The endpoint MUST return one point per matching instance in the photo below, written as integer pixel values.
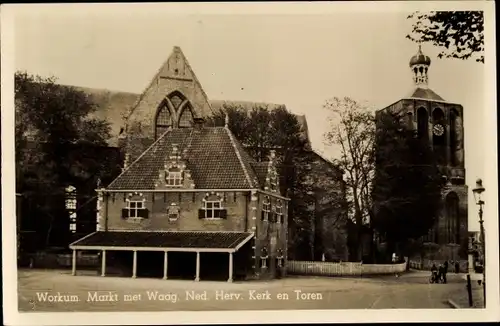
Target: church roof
(114, 106)
(213, 156)
(426, 94)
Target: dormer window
(173, 177)
(273, 185)
(266, 209)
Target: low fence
(58, 260)
(342, 269)
(426, 264)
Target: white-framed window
(134, 208)
(70, 205)
(212, 208)
(263, 258)
(266, 208)
(279, 211)
(173, 178)
(280, 258)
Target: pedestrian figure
(441, 273)
(434, 274)
(445, 265)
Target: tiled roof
(260, 169)
(426, 93)
(169, 239)
(214, 157)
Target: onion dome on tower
(419, 65)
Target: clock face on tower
(438, 130)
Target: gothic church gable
(174, 98)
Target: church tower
(440, 122)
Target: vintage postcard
(249, 163)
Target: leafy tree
(56, 142)
(261, 130)
(459, 32)
(353, 132)
(407, 185)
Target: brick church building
(441, 123)
(190, 200)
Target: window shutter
(124, 213)
(144, 213)
(223, 213)
(201, 213)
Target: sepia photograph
(249, 162)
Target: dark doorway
(182, 265)
(214, 266)
(150, 264)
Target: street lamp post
(477, 191)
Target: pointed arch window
(163, 120)
(186, 118)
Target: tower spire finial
(419, 65)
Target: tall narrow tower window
(452, 218)
(423, 123)
(439, 135)
(454, 139)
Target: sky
(300, 60)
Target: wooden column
(197, 266)
(103, 262)
(134, 265)
(73, 264)
(230, 279)
(165, 265)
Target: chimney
(198, 123)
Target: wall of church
(330, 211)
(450, 236)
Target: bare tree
(353, 133)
